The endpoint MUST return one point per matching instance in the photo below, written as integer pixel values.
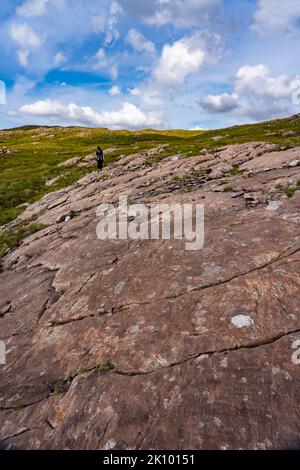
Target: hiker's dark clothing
(99, 164)
(99, 158)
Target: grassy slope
(38, 151)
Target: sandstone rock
(127, 344)
(70, 162)
(5, 309)
(238, 194)
(157, 150)
(289, 134)
(225, 169)
(216, 174)
(294, 163)
(52, 181)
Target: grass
(12, 238)
(103, 367)
(235, 170)
(289, 191)
(36, 153)
(194, 175)
(19, 407)
(106, 367)
(228, 189)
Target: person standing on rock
(99, 158)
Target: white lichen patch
(175, 398)
(224, 362)
(217, 422)
(242, 321)
(109, 445)
(119, 287)
(134, 329)
(274, 206)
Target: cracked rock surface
(143, 344)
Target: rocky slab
(142, 344)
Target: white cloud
(186, 57)
(24, 35)
(113, 34)
(32, 8)
(147, 94)
(257, 82)
(115, 91)
(100, 61)
(23, 85)
(129, 116)
(98, 23)
(139, 43)
(223, 103)
(256, 94)
(106, 22)
(60, 58)
(180, 13)
(27, 39)
(277, 16)
(22, 56)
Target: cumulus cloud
(115, 91)
(60, 58)
(257, 82)
(186, 57)
(22, 56)
(223, 103)
(257, 94)
(62, 24)
(32, 8)
(98, 23)
(139, 43)
(276, 16)
(180, 13)
(100, 61)
(149, 95)
(24, 35)
(112, 34)
(129, 116)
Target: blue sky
(156, 63)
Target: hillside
(124, 344)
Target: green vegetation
(12, 238)
(57, 391)
(36, 152)
(227, 189)
(19, 407)
(106, 367)
(194, 175)
(290, 190)
(235, 170)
